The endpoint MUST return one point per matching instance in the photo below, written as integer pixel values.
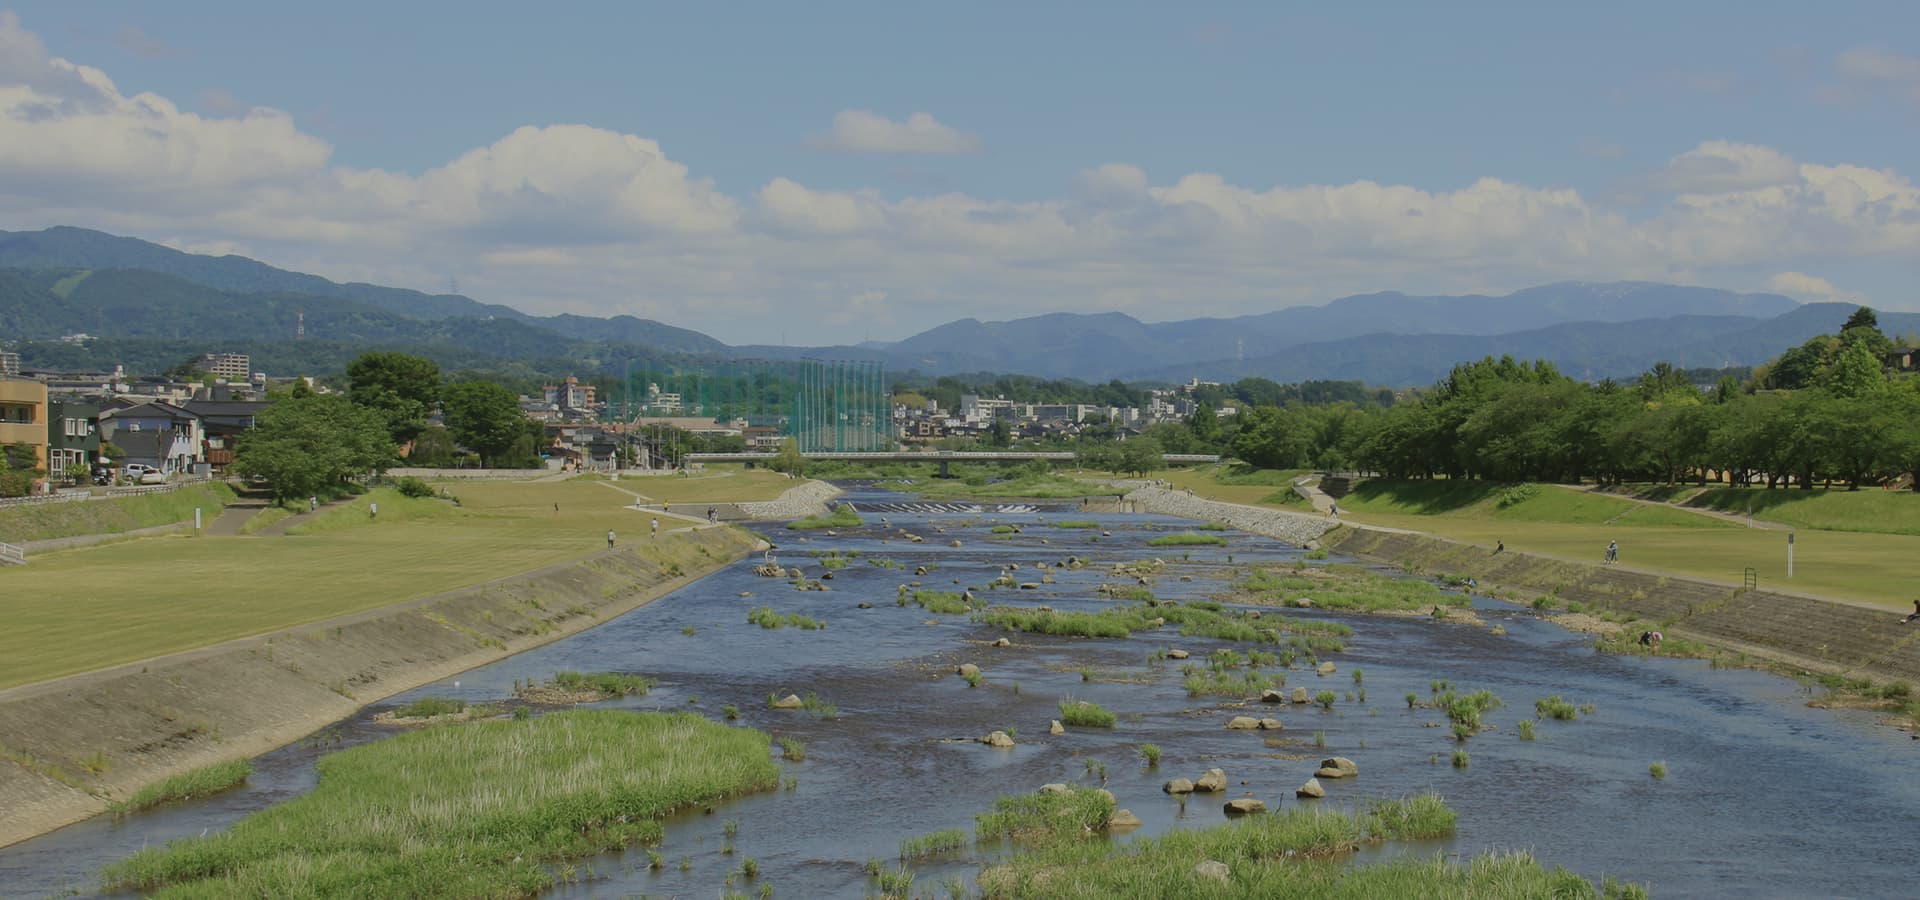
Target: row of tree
(1848, 419)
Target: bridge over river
(943, 457)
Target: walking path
(1735, 518)
(280, 528)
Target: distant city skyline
(842, 172)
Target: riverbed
(1763, 797)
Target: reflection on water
(1765, 797)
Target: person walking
(609, 539)
(373, 510)
(1613, 551)
(313, 504)
(655, 532)
(713, 515)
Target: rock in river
(997, 739)
(1179, 786)
(790, 701)
(1311, 789)
(1244, 723)
(1213, 782)
(1241, 806)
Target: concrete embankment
(1810, 633)
(811, 498)
(1292, 527)
(69, 746)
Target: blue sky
(749, 170)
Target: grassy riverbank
(1273, 855)
(475, 810)
(42, 521)
(1842, 550)
(79, 610)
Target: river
(1765, 797)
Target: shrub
(1658, 770)
(409, 486)
(1086, 714)
(1150, 753)
(1555, 708)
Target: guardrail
(140, 490)
(932, 456)
(12, 554)
(66, 495)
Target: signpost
(1789, 554)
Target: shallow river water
(1765, 797)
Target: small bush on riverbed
(484, 809)
(1344, 587)
(202, 782)
(843, 516)
(1077, 523)
(1086, 714)
(935, 842)
(1246, 684)
(1187, 539)
(1555, 708)
(1046, 819)
(942, 603)
(428, 707)
(613, 684)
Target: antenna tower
(300, 325)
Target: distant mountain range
(142, 295)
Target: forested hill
(145, 300)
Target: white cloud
(1720, 166)
(861, 131)
(1810, 287)
(1884, 68)
(587, 220)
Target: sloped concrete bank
(810, 498)
(1292, 527)
(69, 746)
(1817, 635)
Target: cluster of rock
(805, 499)
(1213, 782)
(1292, 527)
(1249, 723)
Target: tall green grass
(201, 782)
(843, 516)
(1187, 539)
(1269, 856)
(1086, 714)
(1047, 818)
(1345, 587)
(478, 810)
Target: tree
(1864, 317)
(403, 388)
(303, 447)
(1855, 372)
(19, 469)
(432, 448)
(789, 459)
(1139, 456)
(485, 418)
(1000, 433)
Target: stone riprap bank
(812, 498)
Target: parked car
(153, 476)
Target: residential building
(975, 408)
(231, 366)
(153, 433)
(222, 422)
(23, 415)
(9, 364)
(660, 401)
(73, 438)
(571, 397)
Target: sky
(838, 172)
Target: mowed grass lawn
(718, 484)
(85, 609)
(1576, 525)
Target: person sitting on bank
(1651, 639)
(1912, 615)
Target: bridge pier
(943, 470)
